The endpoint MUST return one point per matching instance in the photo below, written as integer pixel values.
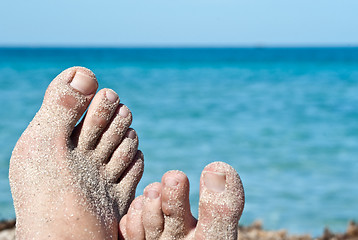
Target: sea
(285, 118)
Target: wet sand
(252, 232)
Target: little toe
(115, 131)
(66, 99)
(127, 183)
(221, 202)
(175, 205)
(123, 156)
(123, 228)
(153, 219)
(132, 226)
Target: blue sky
(178, 23)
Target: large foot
(75, 182)
(163, 212)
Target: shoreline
(252, 232)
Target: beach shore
(253, 232)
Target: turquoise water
(286, 119)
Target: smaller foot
(163, 211)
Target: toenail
(84, 83)
(111, 96)
(152, 194)
(138, 205)
(214, 181)
(171, 182)
(131, 134)
(123, 111)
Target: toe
(115, 131)
(133, 224)
(127, 183)
(221, 202)
(153, 219)
(97, 118)
(123, 228)
(175, 205)
(66, 99)
(122, 156)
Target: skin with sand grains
(75, 182)
(163, 212)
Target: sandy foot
(75, 182)
(163, 211)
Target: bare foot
(163, 212)
(75, 182)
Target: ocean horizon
(286, 118)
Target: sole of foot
(75, 181)
(163, 211)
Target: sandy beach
(253, 232)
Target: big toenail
(152, 194)
(131, 134)
(111, 96)
(171, 182)
(84, 83)
(138, 205)
(214, 181)
(123, 111)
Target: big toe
(66, 99)
(221, 202)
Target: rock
(7, 234)
(251, 232)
